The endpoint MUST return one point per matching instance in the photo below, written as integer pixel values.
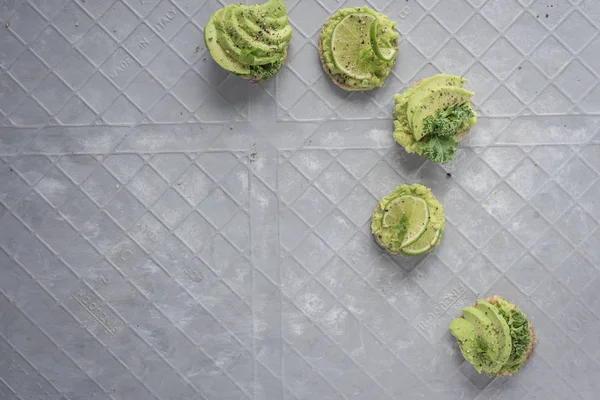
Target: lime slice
(351, 45)
(383, 53)
(425, 243)
(410, 215)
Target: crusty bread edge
(532, 342)
(253, 79)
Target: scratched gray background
(168, 231)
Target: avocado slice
(274, 15)
(486, 343)
(501, 327)
(465, 333)
(437, 99)
(217, 52)
(272, 35)
(258, 41)
(426, 86)
(225, 33)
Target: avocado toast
(408, 221)
(432, 116)
(358, 48)
(494, 336)
(249, 41)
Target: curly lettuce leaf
(439, 144)
(439, 149)
(519, 334)
(448, 122)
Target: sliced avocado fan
(249, 40)
(492, 337)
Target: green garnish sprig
(440, 132)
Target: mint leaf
(439, 149)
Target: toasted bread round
(532, 342)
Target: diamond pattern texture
(170, 231)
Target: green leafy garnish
(367, 57)
(482, 347)
(399, 230)
(439, 149)
(440, 130)
(519, 332)
(267, 70)
(448, 122)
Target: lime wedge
(351, 45)
(425, 243)
(383, 53)
(410, 215)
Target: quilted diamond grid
(355, 279)
(314, 299)
(311, 301)
(525, 271)
(176, 280)
(130, 44)
(150, 232)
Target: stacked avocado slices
(494, 336)
(250, 41)
(408, 221)
(432, 116)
